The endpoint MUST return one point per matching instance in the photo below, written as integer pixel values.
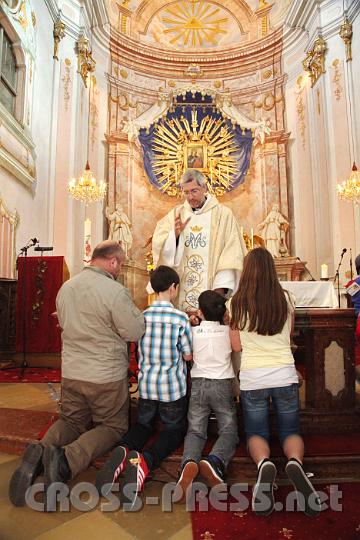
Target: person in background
(353, 290)
(97, 317)
(264, 314)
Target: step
(331, 457)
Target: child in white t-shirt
(212, 376)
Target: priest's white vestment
(209, 252)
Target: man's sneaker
(308, 499)
(111, 471)
(263, 493)
(212, 470)
(188, 473)
(24, 476)
(136, 471)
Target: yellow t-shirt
(268, 351)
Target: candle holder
(324, 279)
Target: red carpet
(30, 375)
(241, 523)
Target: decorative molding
(346, 35)
(66, 79)
(337, 79)
(314, 62)
(300, 109)
(17, 150)
(13, 218)
(86, 63)
(269, 101)
(58, 34)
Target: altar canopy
(200, 129)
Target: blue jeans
(211, 395)
(173, 417)
(255, 406)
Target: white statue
(120, 227)
(274, 229)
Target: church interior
(104, 104)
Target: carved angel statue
(274, 229)
(120, 227)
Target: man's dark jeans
(173, 416)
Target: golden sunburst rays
(208, 147)
(194, 24)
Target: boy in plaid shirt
(163, 350)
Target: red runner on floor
(30, 375)
(241, 523)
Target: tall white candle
(252, 238)
(324, 271)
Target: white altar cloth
(312, 294)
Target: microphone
(42, 248)
(34, 241)
(305, 267)
(343, 252)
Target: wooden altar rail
(325, 341)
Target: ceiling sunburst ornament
(207, 146)
(194, 24)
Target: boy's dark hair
(212, 305)
(163, 277)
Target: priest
(202, 241)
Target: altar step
(330, 457)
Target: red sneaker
(135, 475)
(111, 471)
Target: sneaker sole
(25, 475)
(303, 486)
(209, 475)
(188, 474)
(266, 478)
(108, 475)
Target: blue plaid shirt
(167, 337)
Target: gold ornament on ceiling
(194, 23)
(208, 147)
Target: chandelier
(349, 190)
(85, 188)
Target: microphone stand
(351, 265)
(23, 251)
(307, 270)
(337, 277)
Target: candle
(252, 238)
(324, 271)
(242, 231)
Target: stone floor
(27, 524)
(93, 522)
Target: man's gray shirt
(97, 317)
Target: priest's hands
(180, 225)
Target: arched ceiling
(195, 25)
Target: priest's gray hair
(193, 175)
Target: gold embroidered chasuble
(210, 246)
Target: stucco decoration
(223, 102)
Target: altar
(312, 294)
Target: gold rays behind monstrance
(179, 145)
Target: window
(7, 72)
